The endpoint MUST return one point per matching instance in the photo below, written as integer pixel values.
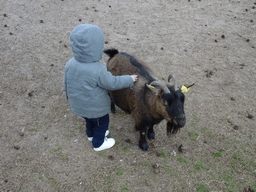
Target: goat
(149, 101)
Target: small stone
(87, 8)
(246, 10)
(232, 98)
(6, 180)
(80, 20)
(43, 106)
(109, 6)
(52, 65)
(5, 25)
(45, 138)
(106, 42)
(41, 21)
(21, 134)
(162, 48)
(65, 46)
(5, 15)
(247, 40)
(251, 20)
(223, 36)
(128, 140)
(11, 33)
(17, 147)
(216, 41)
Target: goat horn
(160, 84)
(174, 82)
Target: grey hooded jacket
(86, 80)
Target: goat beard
(171, 129)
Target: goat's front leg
(143, 141)
(151, 133)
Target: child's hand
(135, 77)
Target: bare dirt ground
(43, 146)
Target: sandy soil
(43, 146)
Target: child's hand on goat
(135, 77)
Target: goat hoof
(151, 135)
(144, 146)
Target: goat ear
(155, 90)
(185, 88)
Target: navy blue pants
(97, 128)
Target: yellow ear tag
(184, 89)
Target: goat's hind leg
(151, 133)
(112, 105)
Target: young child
(87, 81)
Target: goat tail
(111, 52)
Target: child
(87, 81)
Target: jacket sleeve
(109, 82)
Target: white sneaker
(90, 138)
(108, 143)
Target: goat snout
(180, 121)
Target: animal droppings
(21, 134)
(5, 15)
(109, 6)
(162, 48)
(5, 25)
(80, 20)
(216, 41)
(180, 149)
(209, 73)
(158, 154)
(223, 36)
(236, 127)
(106, 42)
(232, 98)
(11, 33)
(17, 147)
(128, 140)
(111, 157)
(65, 46)
(41, 21)
(87, 8)
(249, 116)
(251, 20)
(247, 40)
(30, 94)
(246, 10)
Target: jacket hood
(87, 43)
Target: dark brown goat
(149, 101)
